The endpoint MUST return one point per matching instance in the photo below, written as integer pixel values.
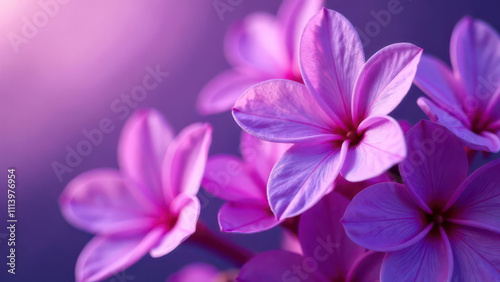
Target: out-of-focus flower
(337, 120)
(242, 183)
(150, 205)
(441, 225)
(202, 272)
(466, 99)
(260, 47)
(328, 254)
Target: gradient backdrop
(66, 74)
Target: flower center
(168, 220)
(353, 137)
(437, 218)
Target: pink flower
(242, 183)
(441, 225)
(150, 205)
(466, 99)
(337, 120)
(328, 254)
(259, 48)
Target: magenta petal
(196, 272)
(382, 146)
(431, 259)
(367, 267)
(294, 15)
(246, 218)
(323, 237)
(384, 217)
(261, 155)
(226, 177)
(99, 201)
(484, 142)
(186, 209)
(105, 256)
(479, 203)
(331, 56)
(384, 80)
(220, 94)
(475, 56)
(302, 176)
(476, 254)
(437, 81)
(257, 43)
(436, 164)
(143, 144)
(185, 160)
(282, 111)
(277, 266)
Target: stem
(470, 154)
(206, 238)
(292, 225)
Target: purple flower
(259, 48)
(466, 99)
(150, 205)
(328, 254)
(441, 225)
(242, 183)
(337, 120)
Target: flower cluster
(360, 197)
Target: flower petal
(246, 218)
(282, 111)
(431, 259)
(302, 176)
(278, 266)
(257, 43)
(478, 202)
(436, 164)
(383, 145)
(484, 142)
(99, 201)
(195, 272)
(476, 254)
(143, 144)
(261, 155)
(226, 177)
(322, 237)
(331, 56)
(384, 80)
(104, 256)
(437, 81)
(475, 57)
(294, 15)
(367, 268)
(384, 217)
(220, 93)
(187, 210)
(185, 160)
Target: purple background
(65, 79)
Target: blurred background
(71, 70)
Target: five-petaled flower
(440, 225)
(150, 205)
(243, 182)
(337, 120)
(259, 48)
(466, 99)
(328, 254)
